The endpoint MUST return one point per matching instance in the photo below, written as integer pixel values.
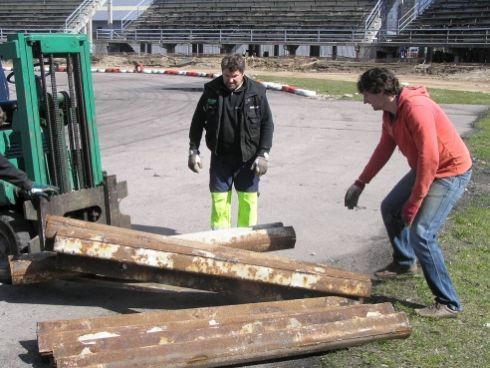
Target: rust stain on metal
(206, 264)
(230, 348)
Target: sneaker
(437, 311)
(394, 269)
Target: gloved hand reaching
(352, 194)
(261, 164)
(194, 162)
(42, 190)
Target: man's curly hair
(233, 63)
(379, 80)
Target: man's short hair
(233, 63)
(379, 80)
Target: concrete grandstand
(459, 30)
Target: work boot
(437, 310)
(394, 269)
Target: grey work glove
(42, 190)
(194, 162)
(352, 194)
(261, 164)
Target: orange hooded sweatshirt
(426, 137)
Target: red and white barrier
(139, 68)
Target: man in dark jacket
(235, 113)
(13, 175)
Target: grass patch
(479, 143)
(322, 86)
(339, 88)
(443, 343)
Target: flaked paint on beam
(215, 267)
(97, 249)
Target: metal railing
(6, 31)
(439, 37)
(373, 15)
(75, 15)
(135, 13)
(443, 36)
(416, 36)
(223, 36)
(412, 13)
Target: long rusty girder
(242, 290)
(261, 238)
(131, 247)
(190, 339)
(36, 267)
(50, 332)
(40, 267)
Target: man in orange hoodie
(417, 206)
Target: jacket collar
(217, 86)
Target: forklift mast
(51, 133)
(43, 117)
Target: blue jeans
(419, 240)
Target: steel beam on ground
(245, 347)
(132, 247)
(171, 332)
(47, 331)
(261, 238)
(35, 268)
(242, 290)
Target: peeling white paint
(250, 327)
(98, 335)
(103, 250)
(213, 322)
(365, 329)
(204, 253)
(154, 329)
(304, 280)
(85, 351)
(294, 323)
(73, 246)
(165, 341)
(155, 258)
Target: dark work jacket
(256, 127)
(13, 175)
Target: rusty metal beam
(241, 290)
(262, 238)
(48, 331)
(139, 248)
(244, 347)
(40, 267)
(259, 238)
(35, 268)
(174, 332)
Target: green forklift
(51, 134)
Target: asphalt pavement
(319, 149)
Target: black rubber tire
(14, 238)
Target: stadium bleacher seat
(35, 15)
(252, 14)
(454, 13)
